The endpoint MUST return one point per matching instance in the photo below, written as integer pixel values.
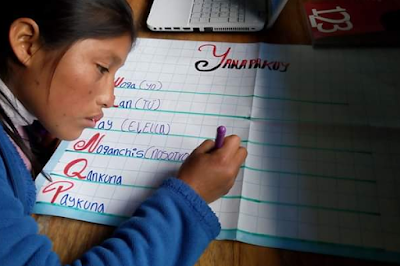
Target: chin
(72, 138)
(68, 134)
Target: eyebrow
(114, 58)
(117, 60)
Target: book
(353, 22)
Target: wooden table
(72, 238)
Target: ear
(24, 39)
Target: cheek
(73, 92)
(74, 80)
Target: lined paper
(320, 126)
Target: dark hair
(61, 23)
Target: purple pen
(219, 140)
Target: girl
(57, 64)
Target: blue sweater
(173, 227)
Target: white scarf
(20, 118)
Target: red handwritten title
(225, 61)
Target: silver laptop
(213, 15)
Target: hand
(212, 173)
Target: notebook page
(323, 168)
(320, 126)
(170, 97)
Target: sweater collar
(14, 108)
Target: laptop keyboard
(218, 11)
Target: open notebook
(321, 128)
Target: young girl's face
(72, 97)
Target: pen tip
(48, 177)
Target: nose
(107, 98)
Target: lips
(96, 118)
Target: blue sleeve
(173, 227)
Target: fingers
(240, 156)
(230, 146)
(204, 147)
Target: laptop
(213, 15)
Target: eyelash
(102, 69)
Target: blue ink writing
(150, 85)
(141, 104)
(82, 204)
(104, 178)
(105, 125)
(145, 127)
(152, 153)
